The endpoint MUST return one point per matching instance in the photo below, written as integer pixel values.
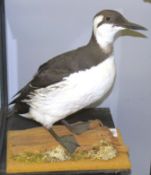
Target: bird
(74, 80)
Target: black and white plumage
(74, 80)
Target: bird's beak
(133, 26)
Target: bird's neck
(101, 45)
(104, 40)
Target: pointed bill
(133, 26)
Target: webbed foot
(77, 128)
(68, 142)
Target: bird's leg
(77, 128)
(68, 142)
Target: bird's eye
(108, 18)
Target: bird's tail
(11, 112)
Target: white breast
(75, 92)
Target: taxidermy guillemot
(74, 80)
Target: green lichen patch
(52, 155)
(55, 155)
(102, 151)
(28, 157)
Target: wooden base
(38, 139)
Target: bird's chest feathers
(87, 85)
(94, 82)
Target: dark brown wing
(50, 73)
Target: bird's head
(107, 23)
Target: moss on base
(102, 151)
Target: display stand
(20, 129)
